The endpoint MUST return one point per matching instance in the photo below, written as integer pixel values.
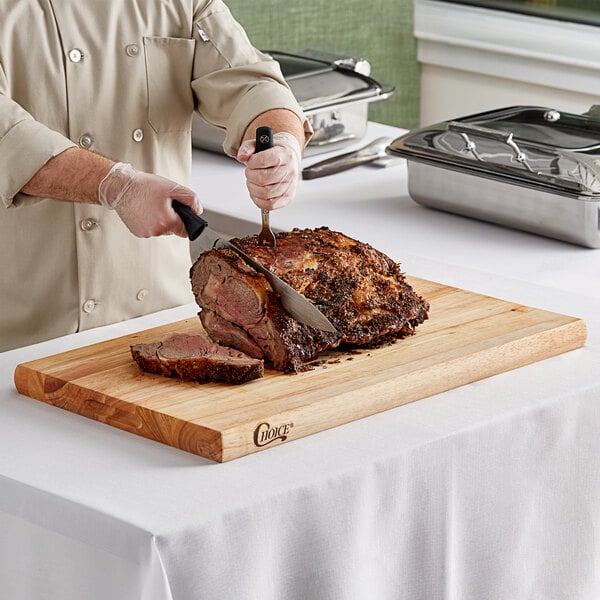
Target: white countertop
(489, 491)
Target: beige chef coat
(122, 79)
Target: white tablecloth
(489, 491)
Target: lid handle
(507, 138)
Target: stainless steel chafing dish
(530, 168)
(334, 92)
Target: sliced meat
(361, 290)
(229, 334)
(194, 356)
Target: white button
(89, 306)
(137, 135)
(75, 55)
(86, 141)
(142, 294)
(88, 224)
(132, 50)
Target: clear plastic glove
(143, 201)
(272, 175)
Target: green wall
(379, 30)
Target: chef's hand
(272, 175)
(143, 201)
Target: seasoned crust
(361, 290)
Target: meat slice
(361, 290)
(229, 334)
(194, 356)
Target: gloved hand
(143, 201)
(272, 175)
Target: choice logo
(265, 433)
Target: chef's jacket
(121, 79)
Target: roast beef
(361, 290)
(194, 356)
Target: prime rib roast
(361, 291)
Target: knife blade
(297, 305)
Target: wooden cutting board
(467, 337)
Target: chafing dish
(526, 167)
(334, 92)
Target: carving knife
(297, 305)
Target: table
(491, 490)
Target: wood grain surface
(467, 337)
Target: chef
(96, 104)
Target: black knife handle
(194, 224)
(264, 138)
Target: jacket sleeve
(25, 146)
(232, 81)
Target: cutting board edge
(574, 333)
(35, 384)
(191, 437)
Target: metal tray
(334, 92)
(530, 168)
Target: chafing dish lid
(320, 83)
(530, 146)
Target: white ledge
(548, 52)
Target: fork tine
(266, 237)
